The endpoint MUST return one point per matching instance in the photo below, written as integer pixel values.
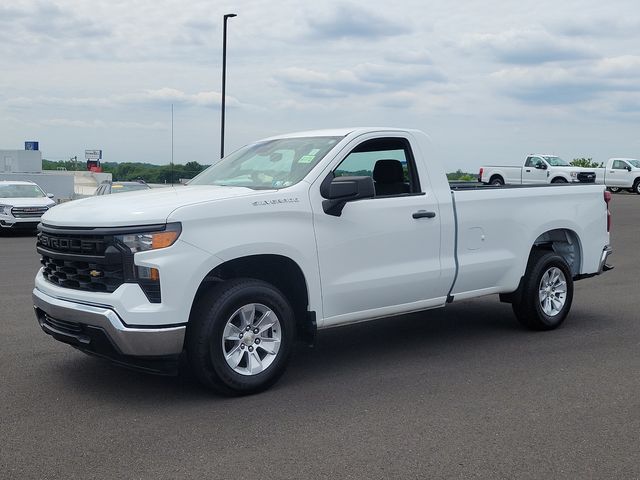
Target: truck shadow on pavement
(457, 334)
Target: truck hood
(144, 207)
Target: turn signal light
(164, 239)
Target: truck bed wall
(498, 227)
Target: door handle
(527, 170)
(423, 214)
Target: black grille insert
(81, 275)
(586, 177)
(72, 328)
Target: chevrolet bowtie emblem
(95, 273)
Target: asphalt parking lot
(462, 392)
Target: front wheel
(240, 336)
(636, 187)
(559, 180)
(546, 292)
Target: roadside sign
(31, 146)
(93, 154)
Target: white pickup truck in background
(537, 169)
(620, 174)
(303, 232)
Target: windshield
(634, 163)
(127, 187)
(21, 191)
(270, 164)
(556, 161)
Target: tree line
(127, 171)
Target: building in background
(27, 165)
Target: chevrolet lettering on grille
(69, 244)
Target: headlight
(152, 240)
(5, 209)
(573, 174)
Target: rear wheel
(546, 292)
(614, 189)
(496, 181)
(240, 336)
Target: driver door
(532, 173)
(377, 258)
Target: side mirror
(340, 190)
(628, 168)
(541, 166)
(50, 195)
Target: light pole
(224, 77)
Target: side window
(619, 165)
(389, 161)
(537, 161)
(529, 162)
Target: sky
(490, 81)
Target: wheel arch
(563, 241)
(278, 270)
(496, 176)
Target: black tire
(206, 328)
(614, 189)
(527, 304)
(496, 181)
(636, 187)
(559, 180)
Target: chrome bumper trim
(603, 267)
(130, 341)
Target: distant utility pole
(224, 77)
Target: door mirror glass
(541, 166)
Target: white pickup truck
(620, 174)
(537, 169)
(297, 233)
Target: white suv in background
(22, 204)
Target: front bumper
(19, 223)
(99, 331)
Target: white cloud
(359, 80)
(495, 74)
(161, 96)
(527, 46)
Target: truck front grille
(94, 277)
(83, 261)
(90, 260)
(28, 212)
(586, 177)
